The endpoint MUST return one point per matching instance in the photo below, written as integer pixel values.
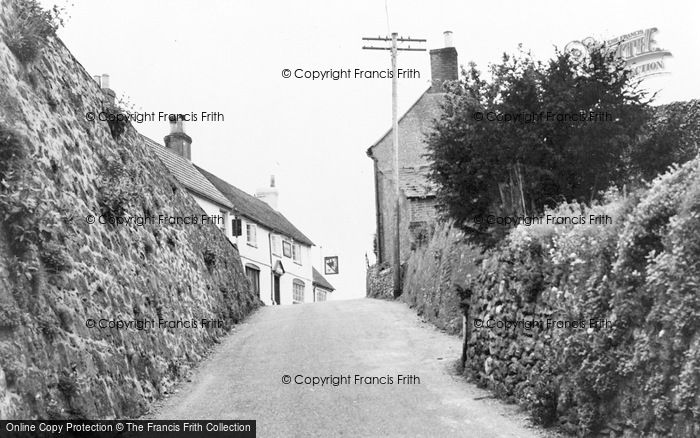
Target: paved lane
(243, 379)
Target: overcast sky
(182, 56)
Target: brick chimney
(177, 140)
(443, 65)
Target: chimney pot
(443, 65)
(108, 93)
(448, 38)
(269, 195)
(176, 124)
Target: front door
(276, 288)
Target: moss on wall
(635, 371)
(57, 271)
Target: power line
(395, 136)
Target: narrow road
(243, 379)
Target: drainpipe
(272, 274)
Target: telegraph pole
(395, 137)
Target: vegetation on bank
(31, 27)
(537, 134)
(504, 147)
(637, 373)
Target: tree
(534, 135)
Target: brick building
(417, 199)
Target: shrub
(12, 150)
(640, 273)
(543, 401)
(117, 190)
(24, 218)
(209, 258)
(54, 258)
(520, 169)
(67, 384)
(117, 120)
(30, 29)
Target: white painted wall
(259, 254)
(296, 270)
(209, 207)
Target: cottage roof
(320, 281)
(256, 209)
(184, 171)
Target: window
(298, 291)
(251, 231)
(276, 245)
(296, 253)
(253, 274)
(287, 249)
(222, 219)
(320, 295)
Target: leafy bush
(117, 189)
(12, 150)
(209, 258)
(30, 28)
(642, 274)
(54, 258)
(117, 120)
(485, 167)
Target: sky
(183, 56)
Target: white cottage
(276, 256)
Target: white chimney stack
(176, 124)
(448, 38)
(269, 195)
(103, 81)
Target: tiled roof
(256, 209)
(186, 173)
(320, 280)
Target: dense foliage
(31, 27)
(638, 376)
(545, 154)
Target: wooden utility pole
(395, 137)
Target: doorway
(276, 288)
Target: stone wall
(58, 272)
(380, 282)
(629, 366)
(435, 272)
(595, 328)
